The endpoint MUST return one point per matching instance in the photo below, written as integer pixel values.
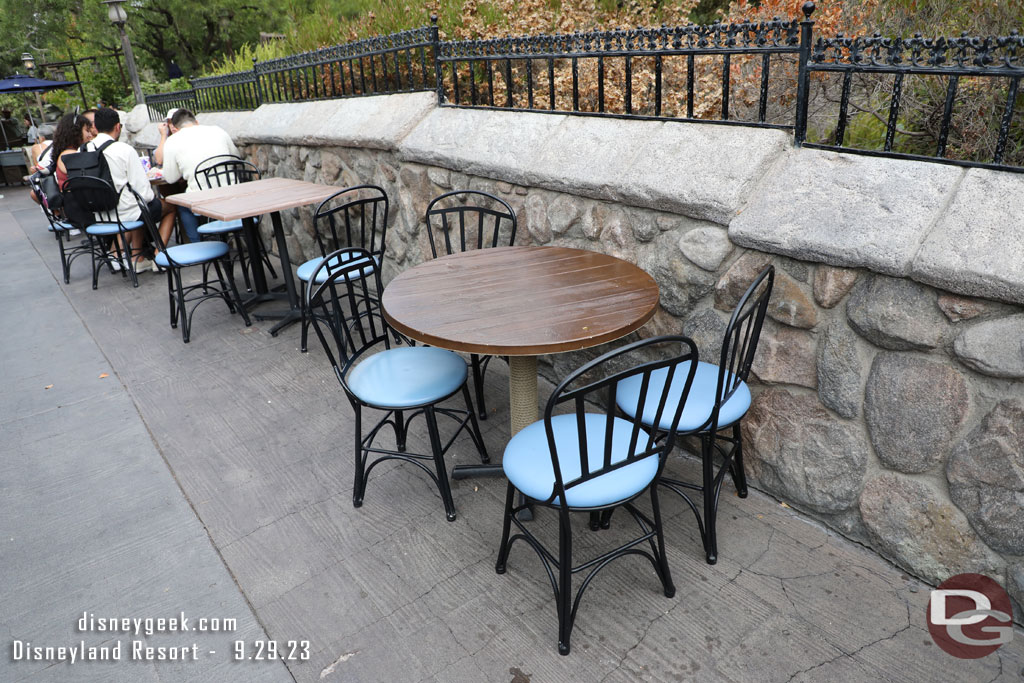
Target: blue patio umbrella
(19, 83)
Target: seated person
(188, 144)
(126, 169)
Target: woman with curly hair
(73, 131)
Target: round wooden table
(520, 302)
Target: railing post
(803, 88)
(435, 41)
(256, 83)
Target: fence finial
(808, 9)
(433, 19)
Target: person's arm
(136, 175)
(158, 153)
(172, 173)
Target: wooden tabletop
(245, 200)
(520, 301)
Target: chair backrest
(223, 170)
(477, 219)
(602, 433)
(741, 337)
(345, 309)
(35, 182)
(355, 217)
(92, 195)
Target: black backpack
(92, 164)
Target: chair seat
(407, 377)
(220, 227)
(112, 228)
(306, 270)
(191, 254)
(527, 461)
(60, 225)
(699, 403)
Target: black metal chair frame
(444, 214)
(68, 253)
(347, 336)
(181, 296)
(737, 356)
(596, 392)
(226, 169)
(355, 234)
(82, 189)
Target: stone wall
(889, 383)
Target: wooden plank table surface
(246, 201)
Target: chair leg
(564, 597)
(478, 438)
(478, 385)
(171, 299)
(241, 260)
(359, 479)
(238, 305)
(739, 477)
(186, 323)
(400, 433)
(225, 293)
(305, 316)
(510, 496)
(64, 265)
(442, 471)
(95, 266)
(595, 520)
(710, 499)
(663, 571)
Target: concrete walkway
(142, 477)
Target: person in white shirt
(188, 144)
(126, 169)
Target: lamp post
(117, 16)
(30, 65)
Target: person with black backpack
(120, 165)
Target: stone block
(914, 408)
(977, 246)
(845, 210)
(896, 313)
(379, 122)
(960, 308)
(682, 285)
(840, 371)
(911, 524)
(706, 246)
(786, 356)
(832, 284)
(707, 329)
(797, 450)
(994, 347)
(705, 173)
(730, 287)
(537, 218)
(986, 477)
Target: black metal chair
(717, 401)
(96, 195)
(402, 382)
(355, 217)
(174, 259)
(480, 220)
(589, 460)
(61, 229)
(219, 171)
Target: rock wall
(889, 382)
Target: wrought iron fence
(399, 62)
(162, 103)
(227, 92)
(980, 77)
(686, 73)
(770, 74)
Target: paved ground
(214, 479)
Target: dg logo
(969, 616)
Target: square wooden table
(246, 201)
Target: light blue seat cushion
(111, 228)
(60, 225)
(405, 377)
(699, 403)
(305, 271)
(219, 227)
(527, 461)
(190, 254)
